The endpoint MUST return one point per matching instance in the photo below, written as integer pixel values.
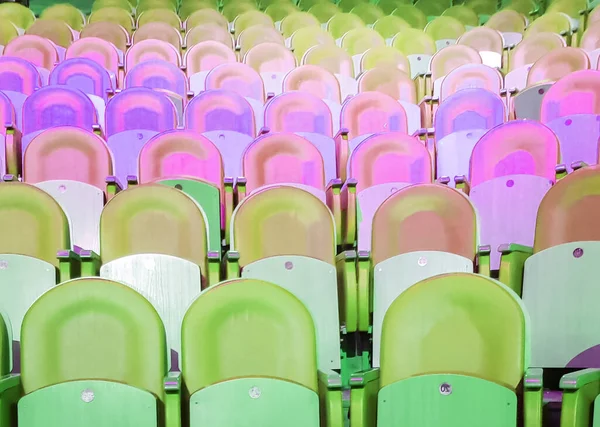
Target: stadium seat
(110, 32)
(67, 13)
(203, 57)
(102, 52)
(444, 30)
(510, 23)
(340, 23)
(21, 16)
(267, 350)
(488, 42)
(449, 59)
(158, 31)
(415, 17)
(256, 35)
(272, 61)
(569, 109)
(39, 51)
(134, 116)
(18, 79)
(418, 47)
(390, 25)
(150, 49)
(115, 15)
(72, 165)
(295, 21)
(338, 62)
(170, 265)
(120, 367)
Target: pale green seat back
(463, 324)
(464, 14)
(432, 8)
(560, 278)
(67, 13)
(414, 16)
(93, 329)
(8, 31)
(247, 328)
(445, 30)
(19, 15)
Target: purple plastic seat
(571, 108)
(53, 106)
(133, 117)
(18, 80)
(459, 122)
(227, 119)
(512, 168)
(307, 116)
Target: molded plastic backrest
(240, 78)
(36, 225)
(256, 35)
(67, 153)
(220, 110)
(576, 93)
(569, 210)
(314, 80)
(424, 217)
(390, 81)
(452, 57)
(283, 220)
(233, 9)
(18, 14)
(113, 334)
(457, 323)
(298, 112)
(591, 39)
(147, 50)
(373, 112)
(554, 22)
(390, 25)
(249, 19)
(414, 42)
(158, 31)
(57, 32)
(247, 328)
(37, 50)
(464, 14)
(83, 74)
(384, 56)
(18, 75)
(162, 15)
(445, 27)
(368, 12)
(8, 31)
(557, 64)
(359, 40)
(483, 39)
(331, 58)
(295, 21)
(158, 74)
(390, 157)
(278, 11)
(412, 15)
(98, 50)
(153, 219)
(180, 153)
(108, 31)
(58, 106)
(305, 38)
(206, 16)
(471, 76)
(140, 108)
(323, 11)
(270, 58)
(468, 109)
(507, 20)
(340, 23)
(432, 7)
(206, 32)
(206, 55)
(521, 147)
(7, 113)
(113, 14)
(283, 158)
(531, 49)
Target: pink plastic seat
(39, 51)
(18, 79)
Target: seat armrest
(90, 263)
(97, 129)
(350, 217)
(580, 390)
(560, 171)
(578, 165)
(348, 289)
(330, 379)
(113, 186)
(132, 180)
(334, 202)
(69, 265)
(363, 398)
(330, 399)
(229, 199)
(364, 291)
(172, 387)
(461, 183)
(483, 260)
(443, 180)
(264, 130)
(214, 268)
(232, 265)
(533, 397)
(512, 265)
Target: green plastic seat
(464, 14)
(19, 15)
(415, 17)
(154, 239)
(278, 11)
(113, 14)
(67, 13)
(93, 353)
(388, 6)
(324, 11)
(36, 231)
(454, 349)
(418, 47)
(9, 384)
(445, 30)
(432, 8)
(368, 12)
(8, 31)
(250, 358)
(340, 23)
(390, 25)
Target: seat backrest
(251, 18)
(424, 217)
(96, 49)
(390, 157)
(315, 80)
(158, 74)
(158, 31)
(150, 49)
(39, 51)
(305, 38)
(176, 222)
(464, 14)
(18, 14)
(507, 21)
(108, 31)
(569, 210)
(520, 147)
(532, 48)
(296, 20)
(57, 32)
(264, 331)
(283, 220)
(206, 55)
(330, 57)
(445, 27)
(19, 75)
(220, 110)
(372, 112)
(359, 40)
(412, 15)
(323, 11)
(468, 109)
(58, 106)
(556, 64)
(483, 39)
(384, 56)
(67, 153)
(456, 323)
(257, 35)
(452, 57)
(237, 77)
(270, 58)
(36, 224)
(390, 81)
(180, 153)
(140, 108)
(471, 76)
(590, 40)
(209, 31)
(553, 22)
(575, 93)
(390, 25)
(368, 12)
(298, 112)
(114, 15)
(205, 16)
(113, 334)
(340, 23)
(84, 74)
(414, 42)
(159, 15)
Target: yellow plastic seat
(113, 14)
(341, 23)
(390, 25)
(297, 20)
(67, 13)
